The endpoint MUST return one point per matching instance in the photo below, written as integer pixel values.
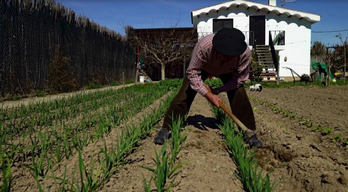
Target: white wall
(297, 43)
(297, 34)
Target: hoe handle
(235, 119)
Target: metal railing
(274, 55)
(278, 37)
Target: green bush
(61, 76)
(115, 83)
(214, 82)
(94, 85)
(40, 94)
(171, 84)
(129, 82)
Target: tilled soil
(301, 158)
(208, 166)
(24, 181)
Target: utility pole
(345, 61)
(344, 56)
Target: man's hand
(214, 99)
(207, 87)
(210, 89)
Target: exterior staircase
(264, 56)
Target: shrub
(61, 77)
(94, 85)
(171, 84)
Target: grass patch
(94, 85)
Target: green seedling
(293, 115)
(317, 128)
(147, 185)
(303, 122)
(165, 174)
(6, 173)
(165, 164)
(309, 124)
(327, 131)
(286, 113)
(337, 138)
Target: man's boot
(162, 135)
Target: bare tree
(337, 57)
(162, 46)
(318, 51)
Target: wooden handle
(235, 119)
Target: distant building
(290, 29)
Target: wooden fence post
(124, 94)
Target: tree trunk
(184, 67)
(136, 73)
(163, 71)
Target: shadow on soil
(202, 123)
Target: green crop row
(110, 159)
(166, 170)
(61, 140)
(40, 147)
(18, 119)
(302, 121)
(275, 108)
(252, 178)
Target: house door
(257, 30)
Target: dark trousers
(238, 99)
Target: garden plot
(299, 153)
(41, 145)
(208, 165)
(305, 130)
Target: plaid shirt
(204, 57)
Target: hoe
(235, 119)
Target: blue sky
(114, 14)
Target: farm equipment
(253, 139)
(303, 77)
(340, 75)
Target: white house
(256, 21)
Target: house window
(222, 23)
(278, 37)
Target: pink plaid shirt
(204, 57)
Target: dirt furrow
(299, 158)
(90, 154)
(208, 166)
(326, 106)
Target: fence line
(31, 30)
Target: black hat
(229, 42)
